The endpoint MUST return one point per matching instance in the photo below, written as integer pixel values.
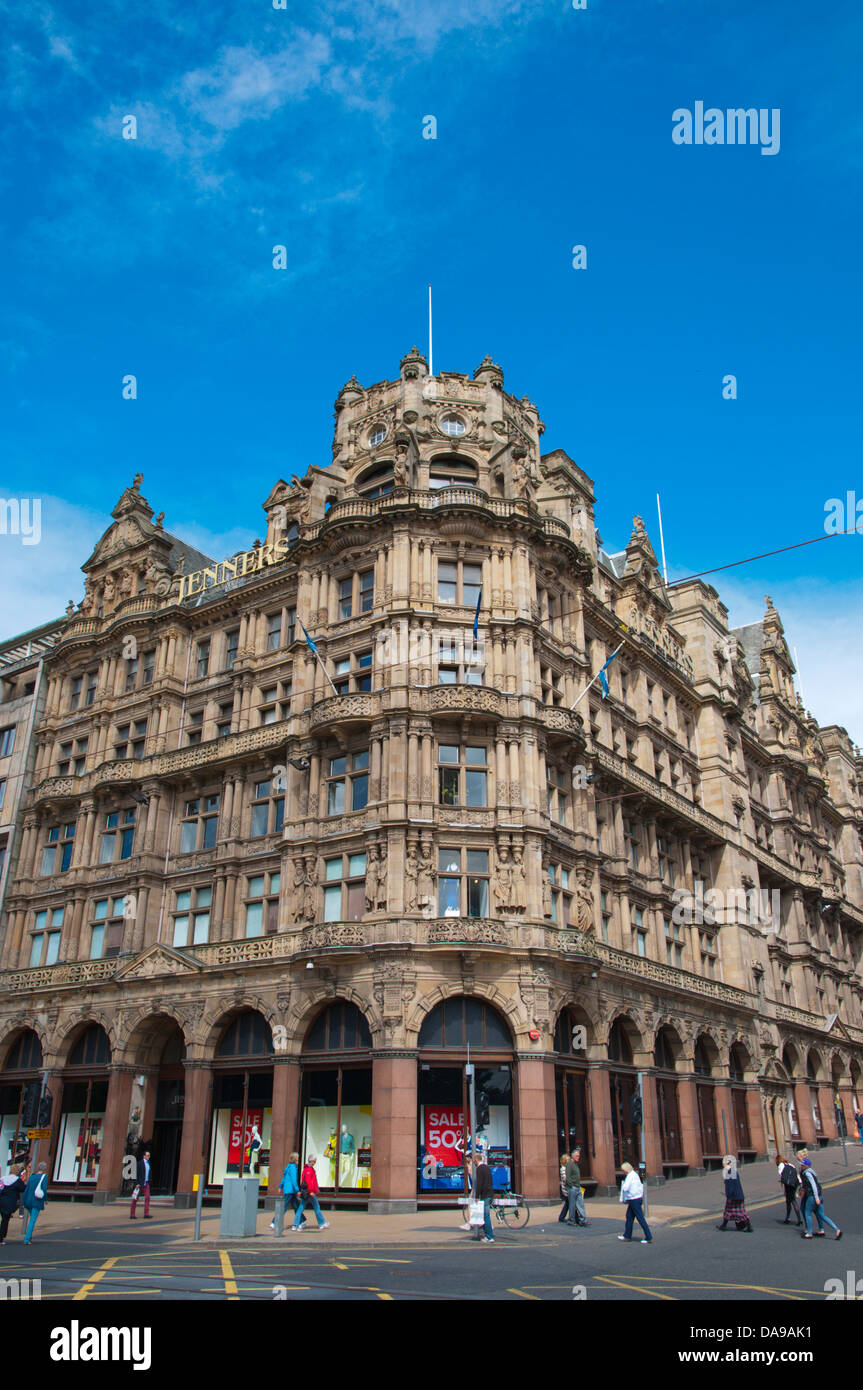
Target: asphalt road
(546, 1262)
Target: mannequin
(348, 1159)
(254, 1146)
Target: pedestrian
(735, 1202)
(858, 1116)
(632, 1193)
(790, 1180)
(11, 1188)
(309, 1196)
(577, 1216)
(564, 1211)
(483, 1191)
(290, 1186)
(813, 1201)
(142, 1185)
(33, 1200)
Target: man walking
(142, 1186)
(483, 1191)
(577, 1215)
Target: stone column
(603, 1138)
(690, 1126)
(286, 1107)
(722, 1101)
(537, 1136)
(755, 1115)
(650, 1128)
(193, 1148)
(828, 1112)
(803, 1106)
(115, 1127)
(394, 1134)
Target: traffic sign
(38, 1134)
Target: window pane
(333, 904)
(211, 825)
(356, 865)
(447, 753)
(477, 861)
(335, 798)
(36, 950)
(360, 790)
(475, 756)
(65, 857)
(356, 904)
(126, 841)
(260, 814)
(361, 760)
(477, 897)
(448, 897)
(187, 836)
(181, 931)
(447, 675)
(338, 766)
(256, 886)
(96, 937)
(275, 883)
(202, 929)
(449, 861)
(254, 919)
(448, 786)
(106, 849)
(475, 787)
(203, 897)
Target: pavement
(682, 1202)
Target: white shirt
(632, 1188)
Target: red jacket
(310, 1178)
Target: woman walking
(564, 1211)
(632, 1193)
(790, 1180)
(33, 1200)
(813, 1201)
(735, 1208)
(309, 1195)
(290, 1185)
(10, 1195)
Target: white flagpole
(662, 542)
(320, 662)
(431, 353)
(596, 677)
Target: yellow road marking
(386, 1296)
(88, 1288)
(635, 1288)
(228, 1276)
(522, 1294)
(337, 1265)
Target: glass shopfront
(572, 1092)
(443, 1118)
(21, 1071)
(623, 1088)
(242, 1106)
(706, 1101)
(83, 1103)
(668, 1110)
(336, 1100)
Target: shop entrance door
(625, 1134)
(707, 1121)
(167, 1137)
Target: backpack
(789, 1175)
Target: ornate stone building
(287, 888)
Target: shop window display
(79, 1145)
(337, 1126)
(444, 1122)
(234, 1150)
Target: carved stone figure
(372, 879)
(519, 890)
(299, 893)
(426, 880)
(381, 898)
(584, 918)
(125, 583)
(412, 869)
(546, 893)
(503, 879)
(110, 590)
(310, 890)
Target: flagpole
(319, 659)
(662, 542)
(596, 677)
(431, 354)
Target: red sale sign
(253, 1117)
(444, 1135)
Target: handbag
(305, 1194)
(477, 1214)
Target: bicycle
(510, 1208)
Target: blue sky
(303, 126)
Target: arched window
(569, 1034)
(737, 1063)
(174, 1050)
(91, 1049)
(452, 472)
(811, 1073)
(25, 1053)
(702, 1061)
(619, 1049)
(338, 1028)
(249, 1035)
(459, 1021)
(377, 481)
(663, 1051)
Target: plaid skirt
(734, 1210)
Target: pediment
(159, 960)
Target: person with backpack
(309, 1196)
(813, 1201)
(33, 1200)
(11, 1188)
(735, 1202)
(790, 1180)
(858, 1118)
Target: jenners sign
(246, 562)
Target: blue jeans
(810, 1205)
(576, 1205)
(634, 1212)
(314, 1204)
(34, 1216)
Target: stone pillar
(193, 1148)
(115, 1127)
(537, 1137)
(603, 1137)
(828, 1112)
(394, 1134)
(690, 1127)
(286, 1106)
(722, 1101)
(803, 1106)
(755, 1115)
(650, 1129)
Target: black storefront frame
(455, 1059)
(562, 1072)
(234, 1067)
(90, 1077)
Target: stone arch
(141, 1050)
(838, 1067)
(743, 1048)
(311, 1006)
(789, 1055)
(518, 1022)
(72, 1029)
(581, 1014)
(666, 1027)
(220, 1013)
(815, 1063)
(710, 1048)
(14, 1028)
(623, 1014)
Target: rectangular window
(7, 740)
(131, 673)
(640, 931)
(75, 691)
(45, 939)
(292, 624)
(202, 659)
(118, 836)
(345, 888)
(274, 631)
(57, 854)
(709, 949)
(148, 661)
(130, 739)
(107, 918)
(268, 810)
(232, 642)
(356, 594)
(673, 943)
(192, 917)
(561, 898)
(2, 791)
(459, 582)
(90, 693)
(463, 879)
(199, 827)
(262, 904)
(195, 728)
(226, 715)
(605, 909)
(348, 783)
(462, 775)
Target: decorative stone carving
(427, 874)
(474, 931)
(584, 916)
(411, 874)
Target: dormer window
(377, 436)
(376, 482)
(453, 425)
(454, 472)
